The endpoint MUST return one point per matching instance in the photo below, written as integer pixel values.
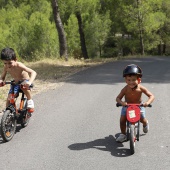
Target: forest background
(92, 28)
(81, 30)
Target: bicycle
(133, 124)
(14, 114)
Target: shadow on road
(107, 143)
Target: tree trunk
(60, 30)
(141, 43)
(164, 49)
(140, 29)
(82, 38)
(159, 49)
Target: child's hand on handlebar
(124, 103)
(145, 104)
(1, 83)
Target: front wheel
(132, 139)
(138, 131)
(8, 125)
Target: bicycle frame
(12, 106)
(133, 115)
(12, 97)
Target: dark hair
(132, 69)
(8, 54)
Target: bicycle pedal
(30, 110)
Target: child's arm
(2, 78)
(31, 73)
(3, 75)
(120, 96)
(149, 94)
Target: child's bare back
(17, 72)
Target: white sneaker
(146, 128)
(30, 103)
(121, 138)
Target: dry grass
(52, 73)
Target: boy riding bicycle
(19, 72)
(132, 93)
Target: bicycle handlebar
(13, 83)
(118, 105)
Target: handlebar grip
(147, 106)
(118, 104)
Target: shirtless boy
(19, 72)
(132, 93)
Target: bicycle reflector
(133, 113)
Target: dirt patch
(51, 74)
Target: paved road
(75, 126)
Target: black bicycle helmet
(132, 69)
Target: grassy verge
(52, 73)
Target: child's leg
(123, 124)
(122, 137)
(144, 121)
(30, 102)
(27, 93)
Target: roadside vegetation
(51, 73)
(85, 28)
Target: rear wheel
(8, 125)
(132, 139)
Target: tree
(82, 37)
(143, 18)
(60, 29)
(164, 31)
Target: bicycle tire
(127, 131)
(26, 116)
(138, 131)
(132, 139)
(8, 125)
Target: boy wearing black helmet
(19, 72)
(132, 93)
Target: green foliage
(72, 35)
(28, 26)
(97, 30)
(29, 32)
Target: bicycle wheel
(8, 125)
(25, 115)
(138, 131)
(127, 130)
(132, 139)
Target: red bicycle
(133, 115)
(14, 115)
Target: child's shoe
(121, 138)
(146, 128)
(30, 104)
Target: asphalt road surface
(74, 127)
